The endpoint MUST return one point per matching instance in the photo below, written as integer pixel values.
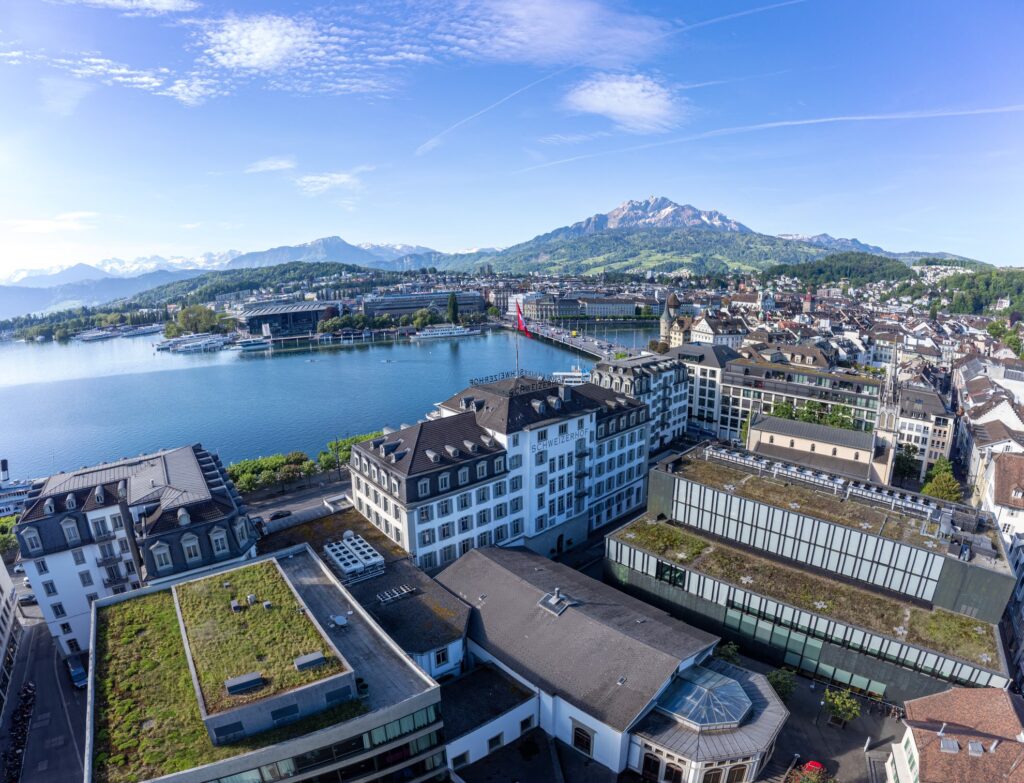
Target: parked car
(19, 568)
(25, 582)
(79, 678)
(26, 599)
(280, 514)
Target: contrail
(434, 140)
(907, 115)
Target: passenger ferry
(574, 377)
(443, 330)
(13, 494)
(253, 344)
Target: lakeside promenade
(593, 347)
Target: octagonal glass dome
(705, 700)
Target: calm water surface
(64, 406)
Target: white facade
(10, 634)
(547, 491)
(902, 764)
(660, 382)
(67, 582)
(443, 661)
(486, 739)
(705, 403)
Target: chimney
(942, 731)
(558, 594)
(4, 475)
(993, 746)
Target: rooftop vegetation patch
(226, 643)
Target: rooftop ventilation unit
(69, 502)
(235, 606)
(48, 507)
(98, 495)
(309, 661)
(251, 598)
(975, 748)
(556, 602)
(183, 517)
(947, 745)
(267, 605)
(244, 683)
(453, 451)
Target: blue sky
(174, 127)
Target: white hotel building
(104, 530)
(516, 461)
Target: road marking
(64, 704)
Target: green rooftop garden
(147, 720)
(783, 494)
(225, 644)
(937, 629)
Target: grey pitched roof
(603, 638)
(282, 309)
(758, 730)
(834, 436)
(516, 404)
(707, 355)
(425, 619)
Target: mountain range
(655, 234)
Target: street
(300, 498)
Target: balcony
(105, 535)
(113, 581)
(108, 560)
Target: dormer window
(70, 528)
(423, 488)
(443, 482)
(1018, 493)
(219, 541)
(161, 556)
(481, 470)
(190, 547)
(241, 532)
(31, 538)
(463, 475)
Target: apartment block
(103, 530)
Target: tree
(423, 317)
(728, 652)
(810, 412)
(784, 410)
(783, 681)
(933, 311)
(945, 487)
(1015, 316)
(246, 483)
(841, 705)
(745, 429)
(493, 312)
(839, 416)
(941, 465)
(330, 312)
(905, 464)
(997, 329)
(453, 308)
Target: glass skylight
(705, 700)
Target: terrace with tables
(936, 629)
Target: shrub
(783, 681)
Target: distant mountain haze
(655, 234)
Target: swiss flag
(521, 323)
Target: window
(117, 522)
(465, 524)
(484, 539)
(483, 517)
(582, 740)
(542, 435)
(428, 561)
(813, 446)
(91, 597)
(49, 588)
(443, 482)
(856, 456)
(495, 742)
(448, 553)
(423, 488)
(65, 627)
(517, 527)
(425, 513)
(70, 528)
(673, 774)
(73, 646)
(241, 532)
(99, 527)
(122, 544)
(129, 567)
(481, 470)
(712, 776)
(219, 541)
(161, 556)
(515, 483)
(465, 501)
(85, 578)
(834, 451)
(79, 556)
(563, 429)
(447, 530)
(41, 567)
(499, 464)
(190, 546)
(58, 610)
(426, 537)
(461, 760)
(483, 494)
(463, 475)
(737, 774)
(31, 539)
(500, 533)
(526, 724)
(441, 657)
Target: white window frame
(190, 540)
(162, 552)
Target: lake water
(64, 406)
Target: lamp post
(818, 713)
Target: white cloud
(271, 164)
(193, 90)
(549, 33)
(317, 184)
(190, 226)
(636, 103)
(262, 43)
(61, 96)
(140, 6)
(66, 221)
